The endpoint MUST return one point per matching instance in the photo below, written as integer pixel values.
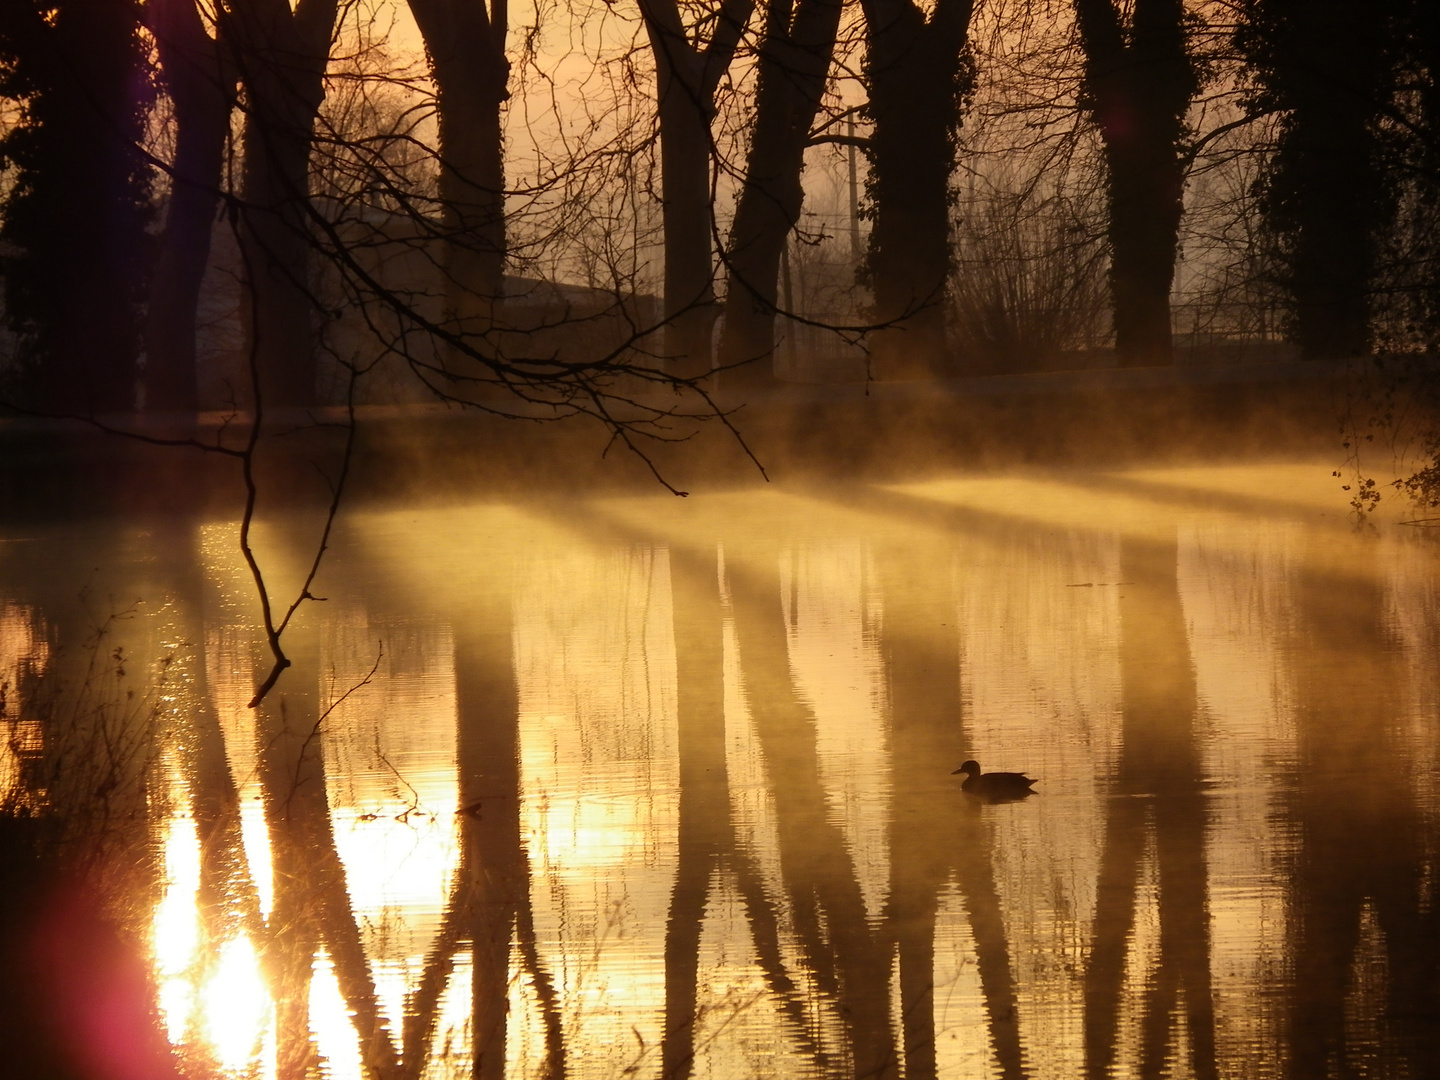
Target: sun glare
(177, 926)
(235, 1007)
(331, 1025)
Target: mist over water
(630, 785)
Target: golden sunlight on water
(662, 788)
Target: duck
(995, 786)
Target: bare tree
(794, 65)
(687, 75)
(199, 75)
(465, 43)
(281, 55)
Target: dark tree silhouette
(794, 63)
(1137, 85)
(687, 77)
(199, 76)
(466, 46)
(281, 54)
(1327, 193)
(76, 210)
(918, 74)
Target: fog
(514, 519)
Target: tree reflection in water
(1157, 800)
(842, 956)
(927, 728)
(1367, 949)
(843, 953)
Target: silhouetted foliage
(77, 202)
(1329, 71)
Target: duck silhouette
(994, 786)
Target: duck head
(969, 768)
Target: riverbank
(160, 463)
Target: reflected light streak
(235, 1007)
(750, 523)
(255, 837)
(331, 1025)
(595, 672)
(218, 996)
(1302, 486)
(832, 618)
(450, 1054)
(1233, 602)
(756, 823)
(738, 1023)
(1142, 962)
(962, 1031)
(1068, 501)
(449, 551)
(175, 930)
(18, 645)
(1050, 501)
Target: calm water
(661, 788)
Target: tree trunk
(794, 61)
(1334, 246)
(1329, 177)
(282, 59)
(201, 84)
(466, 46)
(918, 79)
(1137, 92)
(686, 80)
(688, 220)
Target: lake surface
(643, 786)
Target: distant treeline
(946, 188)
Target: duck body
(995, 786)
